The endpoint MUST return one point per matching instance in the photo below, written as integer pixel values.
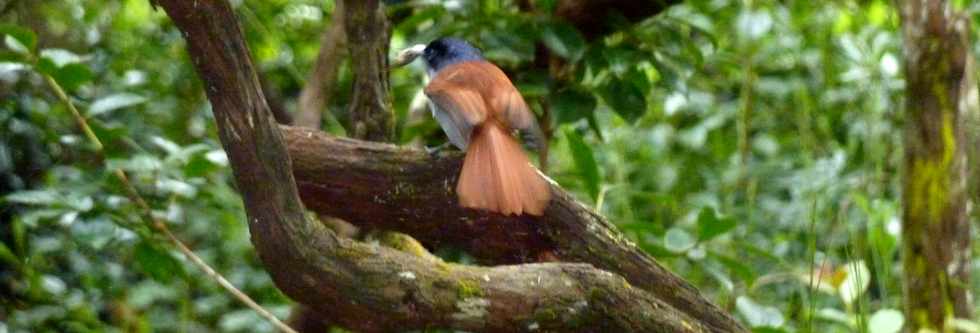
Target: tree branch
(396, 188)
(371, 287)
(313, 99)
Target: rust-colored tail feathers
(497, 176)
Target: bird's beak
(407, 55)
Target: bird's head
(439, 53)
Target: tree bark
(935, 229)
(396, 188)
(367, 35)
(374, 288)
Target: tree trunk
(370, 108)
(935, 229)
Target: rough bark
(369, 287)
(367, 35)
(935, 228)
(396, 188)
(313, 99)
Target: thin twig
(156, 223)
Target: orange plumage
(478, 107)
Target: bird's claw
(433, 151)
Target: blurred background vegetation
(751, 146)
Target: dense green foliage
(753, 147)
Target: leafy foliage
(754, 149)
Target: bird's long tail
(497, 176)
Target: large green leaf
(624, 98)
(564, 40)
(19, 39)
(710, 225)
(570, 105)
(588, 169)
(157, 262)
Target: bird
(479, 109)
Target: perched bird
(479, 109)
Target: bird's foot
(433, 151)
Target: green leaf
(19, 39)
(72, 76)
(886, 321)
(157, 263)
(61, 57)
(758, 315)
(34, 197)
(624, 98)
(585, 162)
(710, 225)
(570, 105)
(739, 268)
(678, 241)
(564, 40)
(114, 102)
(11, 56)
(8, 256)
(137, 163)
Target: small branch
(157, 224)
(320, 84)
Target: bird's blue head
(447, 51)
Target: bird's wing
(459, 106)
(510, 106)
(500, 99)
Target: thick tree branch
(371, 287)
(407, 190)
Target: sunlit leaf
(856, 281)
(18, 39)
(758, 315)
(141, 162)
(60, 57)
(886, 321)
(678, 241)
(34, 197)
(114, 102)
